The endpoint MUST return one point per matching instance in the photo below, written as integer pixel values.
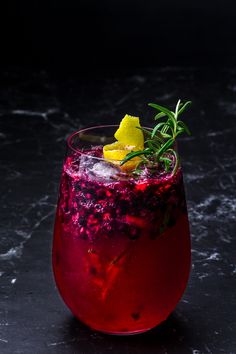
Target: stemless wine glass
(121, 250)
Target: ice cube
(103, 169)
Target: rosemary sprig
(159, 145)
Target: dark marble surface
(37, 112)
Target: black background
(84, 36)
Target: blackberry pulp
(121, 251)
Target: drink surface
(121, 252)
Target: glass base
(125, 333)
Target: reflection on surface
(172, 336)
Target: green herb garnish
(160, 141)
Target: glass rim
(70, 138)
(86, 154)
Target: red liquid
(121, 252)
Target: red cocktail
(121, 251)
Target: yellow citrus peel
(129, 138)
